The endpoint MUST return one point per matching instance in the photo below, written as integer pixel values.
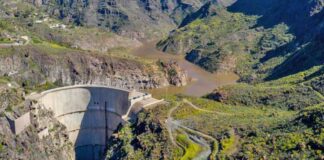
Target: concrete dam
(92, 113)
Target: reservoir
(202, 81)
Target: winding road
(172, 125)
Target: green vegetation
(250, 121)
(227, 144)
(5, 40)
(291, 92)
(235, 42)
(6, 25)
(215, 149)
(145, 138)
(291, 140)
(191, 149)
(36, 40)
(43, 87)
(277, 112)
(4, 80)
(286, 97)
(1, 147)
(242, 131)
(227, 115)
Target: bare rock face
(174, 73)
(29, 66)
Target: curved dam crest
(92, 113)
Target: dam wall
(90, 113)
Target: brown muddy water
(202, 83)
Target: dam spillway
(92, 113)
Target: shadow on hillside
(316, 74)
(274, 12)
(305, 27)
(310, 56)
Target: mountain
(305, 22)
(274, 111)
(266, 35)
(138, 19)
(48, 51)
(38, 52)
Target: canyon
(161, 79)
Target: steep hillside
(35, 49)
(23, 19)
(305, 21)
(138, 19)
(38, 52)
(281, 119)
(276, 47)
(260, 39)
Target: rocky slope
(20, 18)
(267, 35)
(32, 65)
(28, 144)
(279, 119)
(305, 21)
(276, 46)
(67, 55)
(138, 19)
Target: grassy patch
(5, 40)
(227, 144)
(4, 80)
(292, 97)
(235, 116)
(191, 149)
(44, 87)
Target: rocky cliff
(31, 66)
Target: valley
(150, 79)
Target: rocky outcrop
(30, 66)
(176, 75)
(28, 144)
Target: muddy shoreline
(202, 83)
